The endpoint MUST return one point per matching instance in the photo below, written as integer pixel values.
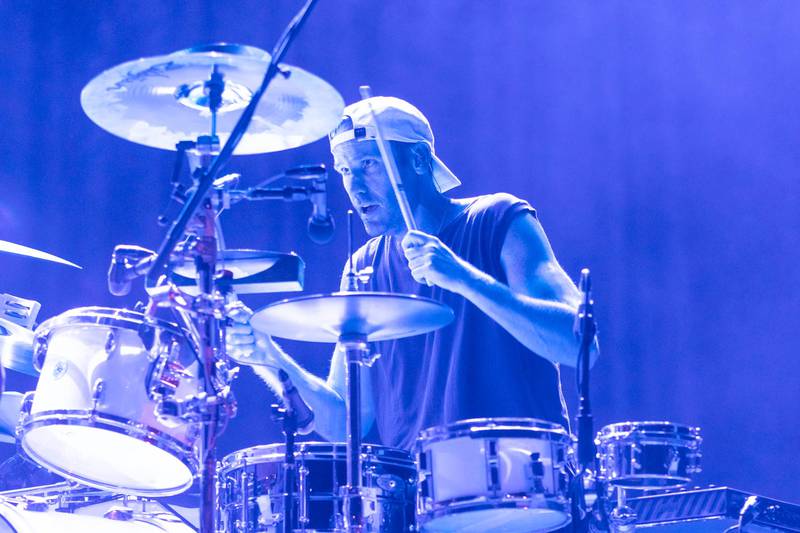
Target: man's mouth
(368, 209)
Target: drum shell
(256, 476)
(95, 367)
(488, 464)
(648, 454)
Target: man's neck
(430, 215)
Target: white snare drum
(493, 474)
(92, 417)
(648, 455)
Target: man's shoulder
(495, 204)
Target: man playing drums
(486, 257)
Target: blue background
(658, 140)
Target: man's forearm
(543, 326)
(327, 404)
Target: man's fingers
(415, 238)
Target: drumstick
(391, 167)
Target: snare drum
(493, 474)
(92, 416)
(648, 455)
(251, 488)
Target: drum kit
(129, 403)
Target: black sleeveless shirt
(472, 368)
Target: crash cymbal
(326, 317)
(241, 263)
(16, 348)
(18, 249)
(159, 101)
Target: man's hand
(242, 343)
(433, 263)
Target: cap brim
(443, 177)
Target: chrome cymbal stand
(198, 208)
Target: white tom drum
(493, 474)
(92, 416)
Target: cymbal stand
(198, 208)
(356, 355)
(586, 330)
(288, 419)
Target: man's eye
(344, 171)
(369, 163)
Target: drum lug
(98, 393)
(24, 412)
(492, 468)
(111, 342)
(535, 473)
(40, 350)
(303, 519)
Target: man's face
(367, 184)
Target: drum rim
(456, 506)
(129, 428)
(273, 452)
(670, 481)
(469, 426)
(103, 316)
(648, 429)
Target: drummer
(486, 257)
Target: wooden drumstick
(391, 166)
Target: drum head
(506, 520)
(81, 453)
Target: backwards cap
(400, 121)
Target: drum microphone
(124, 267)
(303, 414)
(320, 224)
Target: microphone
(302, 413)
(320, 224)
(123, 268)
(586, 307)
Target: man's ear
(421, 159)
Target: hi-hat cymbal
(16, 348)
(18, 249)
(240, 263)
(159, 101)
(326, 317)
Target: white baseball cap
(400, 121)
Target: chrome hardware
(111, 342)
(40, 344)
(119, 513)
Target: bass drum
(493, 474)
(92, 417)
(251, 488)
